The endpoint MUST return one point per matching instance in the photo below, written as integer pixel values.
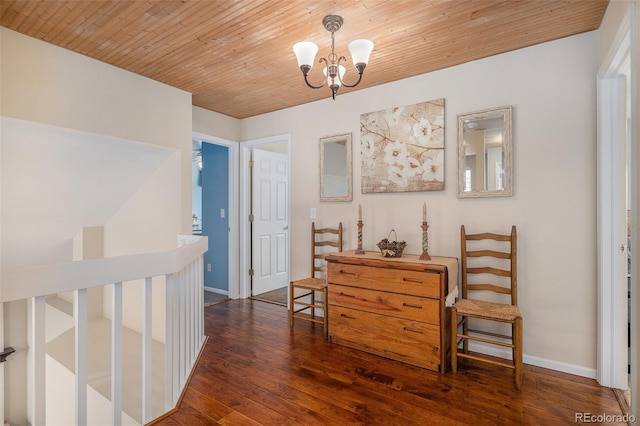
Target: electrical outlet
(208, 267)
(222, 213)
(312, 213)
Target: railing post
(147, 346)
(116, 354)
(81, 327)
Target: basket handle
(394, 232)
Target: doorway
(218, 219)
(253, 265)
(617, 170)
(215, 216)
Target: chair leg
(454, 340)
(465, 331)
(326, 313)
(291, 307)
(313, 304)
(518, 353)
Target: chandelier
(334, 72)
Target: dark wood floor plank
(254, 370)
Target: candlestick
(425, 241)
(359, 250)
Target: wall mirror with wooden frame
(485, 163)
(336, 168)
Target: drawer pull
(342, 271)
(413, 330)
(411, 305)
(346, 295)
(347, 316)
(412, 280)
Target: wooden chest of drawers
(393, 307)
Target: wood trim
(184, 390)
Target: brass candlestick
(425, 242)
(359, 249)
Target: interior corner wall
(155, 205)
(552, 89)
(47, 84)
(215, 124)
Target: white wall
(47, 84)
(56, 181)
(552, 90)
(215, 124)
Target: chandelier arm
(324, 82)
(342, 58)
(306, 80)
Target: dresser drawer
(409, 341)
(385, 303)
(415, 283)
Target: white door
(270, 221)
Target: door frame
(612, 355)
(245, 207)
(233, 207)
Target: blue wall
(215, 197)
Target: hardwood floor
(253, 370)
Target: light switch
(222, 213)
(312, 213)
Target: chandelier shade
(305, 53)
(360, 51)
(334, 71)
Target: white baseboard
(216, 290)
(564, 367)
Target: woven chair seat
(489, 310)
(316, 284)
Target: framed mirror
(485, 163)
(335, 168)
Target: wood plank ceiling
(235, 57)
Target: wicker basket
(390, 248)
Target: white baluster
(192, 314)
(147, 346)
(37, 360)
(175, 342)
(200, 272)
(2, 364)
(168, 343)
(81, 325)
(183, 327)
(116, 354)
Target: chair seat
(316, 284)
(489, 310)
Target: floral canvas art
(403, 148)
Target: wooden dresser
(393, 307)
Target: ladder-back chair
(323, 241)
(497, 270)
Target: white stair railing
(182, 269)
